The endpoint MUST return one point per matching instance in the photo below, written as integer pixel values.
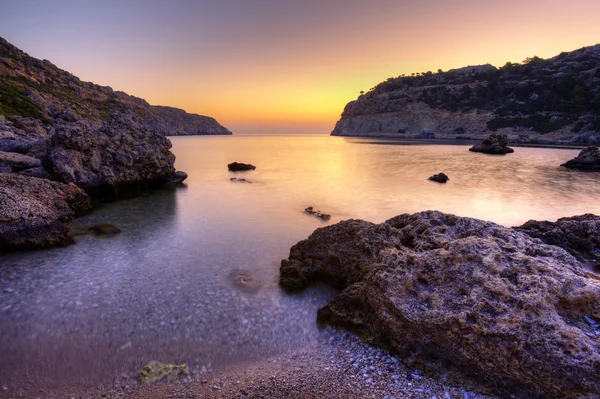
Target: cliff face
(33, 88)
(555, 100)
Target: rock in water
(37, 212)
(495, 143)
(177, 177)
(579, 235)
(440, 178)
(588, 159)
(155, 371)
(113, 160)
(450, 292)
(239, 167)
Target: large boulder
(495, 143)
(588, 159)
(112, 160)
(37, 212)
(579, 235)
(454, 293)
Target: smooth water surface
(193, 276)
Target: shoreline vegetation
(512, 311)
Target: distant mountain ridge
(31, 87)
(540, 101)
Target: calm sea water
(193, 276)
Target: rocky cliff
(548, 101)
(33, 88)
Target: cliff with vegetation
(545, 101)
(38, 89)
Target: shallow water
(168, 287)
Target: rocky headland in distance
(541, 101)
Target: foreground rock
(588, 159)
(440, 178)
(459, 293)
(239, 167)
(112, 160)
(579, 235)
(36, 212)
(495, 143)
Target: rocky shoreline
(68, 165)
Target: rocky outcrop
(538, 101)
(453, 293)
(38, 89)
(588, 159)
(440, 178)
(579, 235)
(240, 167)
(110, 160)
(15, 162)
(495, 143)
(37, 212)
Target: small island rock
(588, 159)
(440, 178)
(495, 143)
(239, 167)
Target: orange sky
(285, 66)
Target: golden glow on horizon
(300, 64)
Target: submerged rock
(588, 159)
(37, 212)
(244, 281)
(239, 180)
(454, 293)
(310, 210)
(440, 178)
(495, 143)
(239, 167)
(104, 229)
(155, 371)
(579, 235)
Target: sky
(278, 66)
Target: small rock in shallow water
(440, 178)
(318, 214)
(155, 371)
(240, 180)
(238, 166)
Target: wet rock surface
(578, 235)
(440, 178)
(588, 159)
(495, 143)
(453, 293)
(36, 212)
(240, 167)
